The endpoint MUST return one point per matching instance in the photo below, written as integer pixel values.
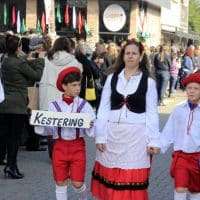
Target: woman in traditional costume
(127, 129)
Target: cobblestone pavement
(38, 183)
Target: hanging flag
(5, 14)
(87, 30)
(66, 17)
(43, 23)
(18, 22)
(79, 22)
(23, 26)
(58, 14)
(38, 27)
(48, 9)
(74, 17)
(13, 15)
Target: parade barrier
(60, 119)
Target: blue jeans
(172, 83)
(162, 78)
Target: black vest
(135, 102)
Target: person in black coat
(162, 64)
(17, 75)
(100, 75)
(88, 75)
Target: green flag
(38, 27)
(23, 26)
(5, 14)
(87, 29)
(58, 14)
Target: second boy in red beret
(183, 131)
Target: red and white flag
(80, 22)
(66, 14)
(43, 23)
(14, 20)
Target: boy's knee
(61, 183)
(77, 185)
(181, 190)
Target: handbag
(90, 93)
(33, 96)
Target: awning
(160, 3)
(187, 35)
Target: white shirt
(124, 115)
(175, 131)
(68, 133)
(2, 95)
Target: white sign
(114, 17)
(60, 119)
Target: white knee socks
(82, 191)
(194, 196)
(180, 195)
(61, 192)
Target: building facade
(93, 19)
(174, 24)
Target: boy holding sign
(69, 154)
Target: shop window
(71, 17)
(7, 8)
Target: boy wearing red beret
(183, 131)
(69, 154)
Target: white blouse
(2, 95)
(150, 118)
(176, 130)
(68, 133)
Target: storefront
(114, 20)
(10, 11)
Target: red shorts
(69, 159)
(185, 169)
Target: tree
(194, 15)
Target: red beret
(192, 78)
(63, 74)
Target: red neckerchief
(68, 99)
(192, 107)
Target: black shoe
(13, 173)
(36, 149)
(18, 172)
(3, 162)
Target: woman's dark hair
(61, 44)
(25, 45)
(2, 44)
(119, 64)
(96, 55)
(73, 43)
(12, 44)
(72, 77)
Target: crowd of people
(123, 84)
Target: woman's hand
(91, 124)
(153, 150)
(101, 147)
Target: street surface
(38, 182)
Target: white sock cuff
(194, 196)
(81, 189)
(61, 189)
(180, 195)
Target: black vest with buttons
(135, 102)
